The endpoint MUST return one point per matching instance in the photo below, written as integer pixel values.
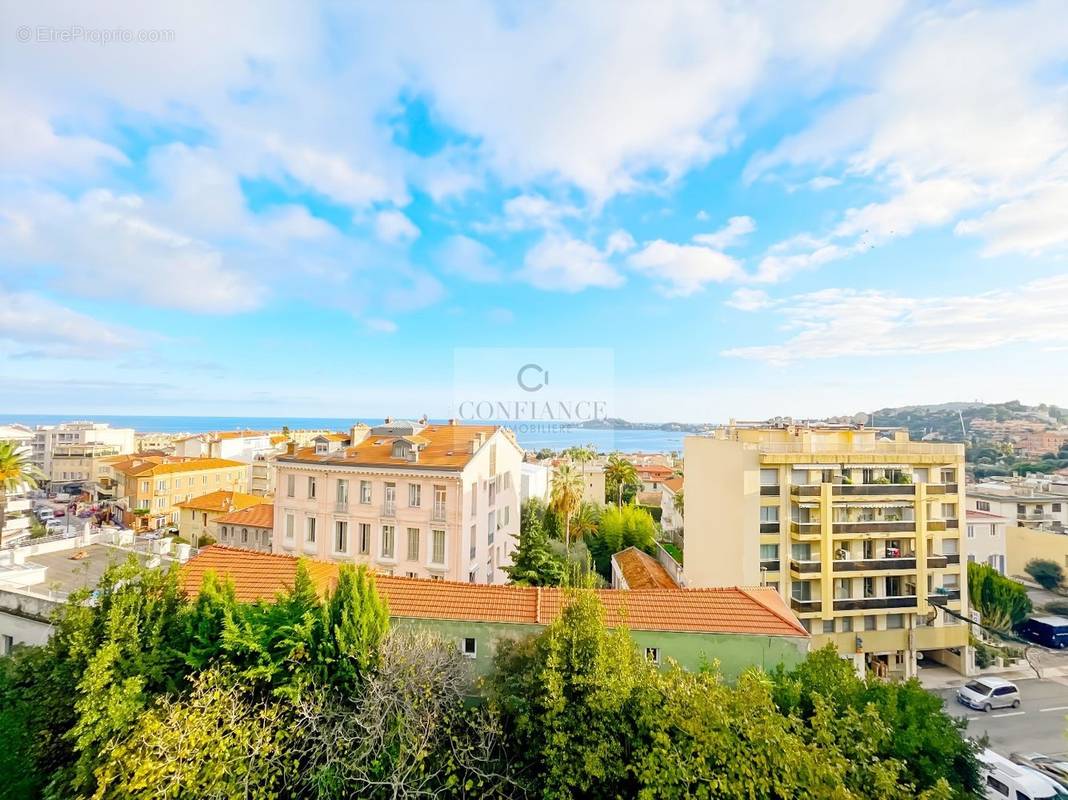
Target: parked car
(1049, 631)
(984, 694)
(1008, 781)
(45, 514)
(1054, 769)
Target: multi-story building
(1035, 501)
(68, 436)
(858, 529)
(670, 516)
(17, 519)
(410, 499)
(197, 515)
(77, 466)
(985, 542)
(250, 528)
(255, 448)
(149, 488)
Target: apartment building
(197, 515)
(859, 530)
(985, 542)
(150, 488)
(250, 528)
(78, 466)
(407, 498)
(66, 439)
(18, 507)
(1035, 501)
(255, 448)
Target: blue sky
(806, 209)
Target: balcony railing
(769, 527)
(952, 524)
(941, 488)
(937, 562)
(341, 507)
(943, 597)
(872, 526)
(389, 509)
(770, 564)
(802, 606)
(854, 489)
(805, 566)
(438, 513)
(811, 490)
(936, 524)
(805, 528)
(859, 565)
(770, 491)
(952, 558)
(864, 603)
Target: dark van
(1050, 631)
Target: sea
(532, 436)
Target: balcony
(770, 564)
(805, 566)
(805, 528)
(341, 507)
(867, 489)
(437, 514)
(806, 491)
(770, 491)
(938, 562)
(872, 526)
(942, 598)
(803, 606)
(862, 564)
(936, 524)
(952, 524)
(389, 509)
(874, 603)
(769, 527)
(952, 558)
(941, 488)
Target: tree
(16, 474)
(1047, 574)
(533, 562)
(566, 495)
(621, 527)
(678, 503)
(619, 474)
(1001, 602)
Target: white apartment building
(68, 443)
(984, 542)
(406, 498)
(1036, 501)
(255, 448)
(18, 506)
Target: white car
(1008, 781)
(984, 694)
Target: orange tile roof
(155, 465)
(260, 515)
(653, 471)
(447, 446)
(223, 500)
(673, 485)
(757, 611)
(642, 571)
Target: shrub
(1047, 574)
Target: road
(1038, 725)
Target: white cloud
(380, 325)
(32, 326)
(748, 300)
(561, 263)
(468, 259)
(681, 270)
(821, 182)
(500, 316)
(393, 227)
(619, 242)
(1033, 225)
(735, 231)
(835, 323)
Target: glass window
(847, 624)
(365, 491)
(769, 513)
(289, 526)
(365, 538)
(415, 495)
(653, 654)
(469, 647)
(828, 626)
(894, 621)
(413, 544)
(439, 547)
(491, 525)
(387, 541)
(769, 552)
(311, 488)
(870, 623)
(341, 536)
(342, 492)
(310, 531)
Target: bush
(1057, 607)
(1001, 602)
(656, 512)
(1047, 574)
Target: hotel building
(859, 530)
(407, 498)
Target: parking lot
(1038, 725)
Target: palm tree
(585, 520)
(620, 472)
(16, 473)
(678, 503)
(566, 495)
(583, 454)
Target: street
(1038, 725)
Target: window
(439, 547)
(309, 534)
(365, 492)
(507, 481)
(949, 510)
(142, 503)
(341, 536)
(439, 502)
(653, 654)
(311, 488)
(472, 576)
(769, 552)
(869, 623)
(971, 531)
(894, 621)
(493, 459)
(491, 523)
(997, 786)
(387, 541)
(828, 626)
(6, 645)
(492, 492)
(1056, 508)
(982, 505)
(474, 535)
(847, 624)
(506, 515)
(413, 544)
(289, 527)
(769, 513)
(769, 477)
(342, 492)
(474, 498)
(469, 647)
(415, 495)
(365, 538)
(161, 486)
(390, 506)
(410, 575)
(244, 536)
(145, 487)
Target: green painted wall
(735, 652)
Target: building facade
(407, 498)
(197, 515)
(149, 489)
(18, 508)
(984, 540)
(250, 528)
(859, 531)
(66, 439)
(1035, 501)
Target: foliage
(678, 502)
(566, 495)
(1000, 601)
(620, 480)
(656, 512)
(1047, 574)
(534, 563)
(621, 527)
(16, 474)
(673, 551)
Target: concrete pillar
(826, 550)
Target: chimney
(291, 448)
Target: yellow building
(197, 515)
(149, 488)
(1023, 544)
(857, 528)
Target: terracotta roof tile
(729, 610)
(260, 515)
(154, 465)
(642, 571)
(673, 485)
(223, 500)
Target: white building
(534, 482)
(407, 498)
(68, 440)
(18, 507)
(255, 448)
(670, 518)
(985, 541)
(1037, 501)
